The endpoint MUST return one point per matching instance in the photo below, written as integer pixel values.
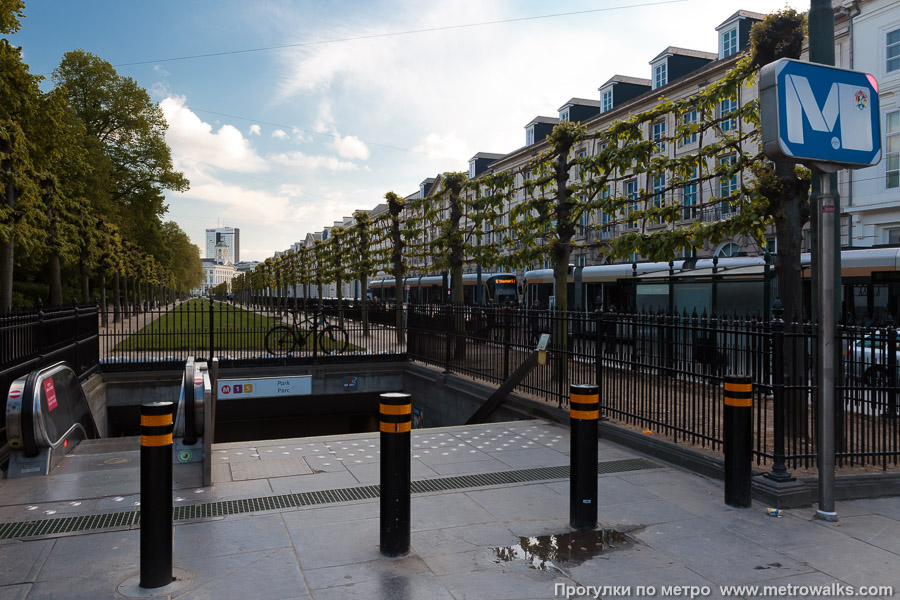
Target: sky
(302, 112)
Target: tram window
(860, 302)
(693, 296)
(880, 303)
(652, 297)
(739, 298)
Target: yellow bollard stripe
(156, 440)
(585, 415)
(396, 427)
(395, 409)
(154, 420)
(739, 402)
(584, 398)
(738, 387)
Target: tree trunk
(85, 282)
(117, 299)
(126, 312)
(104, 320)
(364, 283)
(7, 251)
(56, 295)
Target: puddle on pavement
(550, 552)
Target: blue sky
(314, 132)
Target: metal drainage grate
(282, 501)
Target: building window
(584, 220)
(728, 249)
(893, 50)
(689, 197)
(606, 101)
(631, 192)
(660, 76)
(727, 186)
(472, 170)
(659, 186)
(688, 119)
(893, 236)
(564, 115)
(729, 43)
(659, 136)
(582, 260)
(726, 107)
(892, 148)
(529, 136)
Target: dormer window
(471, 169)
(564, 115)
(422, 185)
(606, 101)
(729, 42)
(660, 75)
(529, 136)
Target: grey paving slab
(325, 463)
(782, 533)
(462, 468)
(230, 490)
(20, 562)
(529, 458)
(642, 513)
(413, 587)
(530, 502)
(875, 529)
(611, 491)
(244, 533)
(501, 584)
(340, 513)
(266, 575)
(852, 561)
(315, 482)
(273, 467)
(888, 507)
(344, 575)
(97, 586)
(657, 578)
(814, 580)
(674, 530)
(371, 473)
(725, 558)
(446, 510)
(455, 540)
(113, 551)
(332, 544)
(15, 592)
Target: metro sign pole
(828, 119)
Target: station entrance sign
(265, 387)
(822, 116)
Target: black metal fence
(663, 374)
(34, 338)
(160, 337)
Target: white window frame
(689, 194)
(660, 74)
(529, 136)
(729, 39)
(632, 193)
(472, 169)
(891, 63)
(564, 115)
(727, 186)
(659, 184)
(606, 101)
(892, 149)
(726, 107)
(689, 118)
(659, 135)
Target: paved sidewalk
(681, 533)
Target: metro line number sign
(822, 116)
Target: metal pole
(738, 439)
(156, 494)
(396, 421)
(825, 301)
(584, 411)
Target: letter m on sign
(821, 116)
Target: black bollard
(584, 411)
(156, 494)
(738, 439)
(396, 422)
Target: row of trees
(548, 208)
(84, 167)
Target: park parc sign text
(265, 387)
(824, 117)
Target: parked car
(867, 360)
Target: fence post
(584, 412)
(738, 439)
(396, 421)
(598, 346)
(211, 331)
(891, 409)
(779, 471)
(156, 494)
(507, 325)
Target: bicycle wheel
(281, 340)
(333, 340)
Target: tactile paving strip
(223, 508)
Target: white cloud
(161, 70)
(350, 147)
(254, 129)
(439, 146)
(300, 135)
(191, 140)
(304, 161)
(279, 134)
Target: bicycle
(284, 339)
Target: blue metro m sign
(822, 116)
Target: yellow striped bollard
(584, 412)
(156, 494)
(738, 439)
(396, 422)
